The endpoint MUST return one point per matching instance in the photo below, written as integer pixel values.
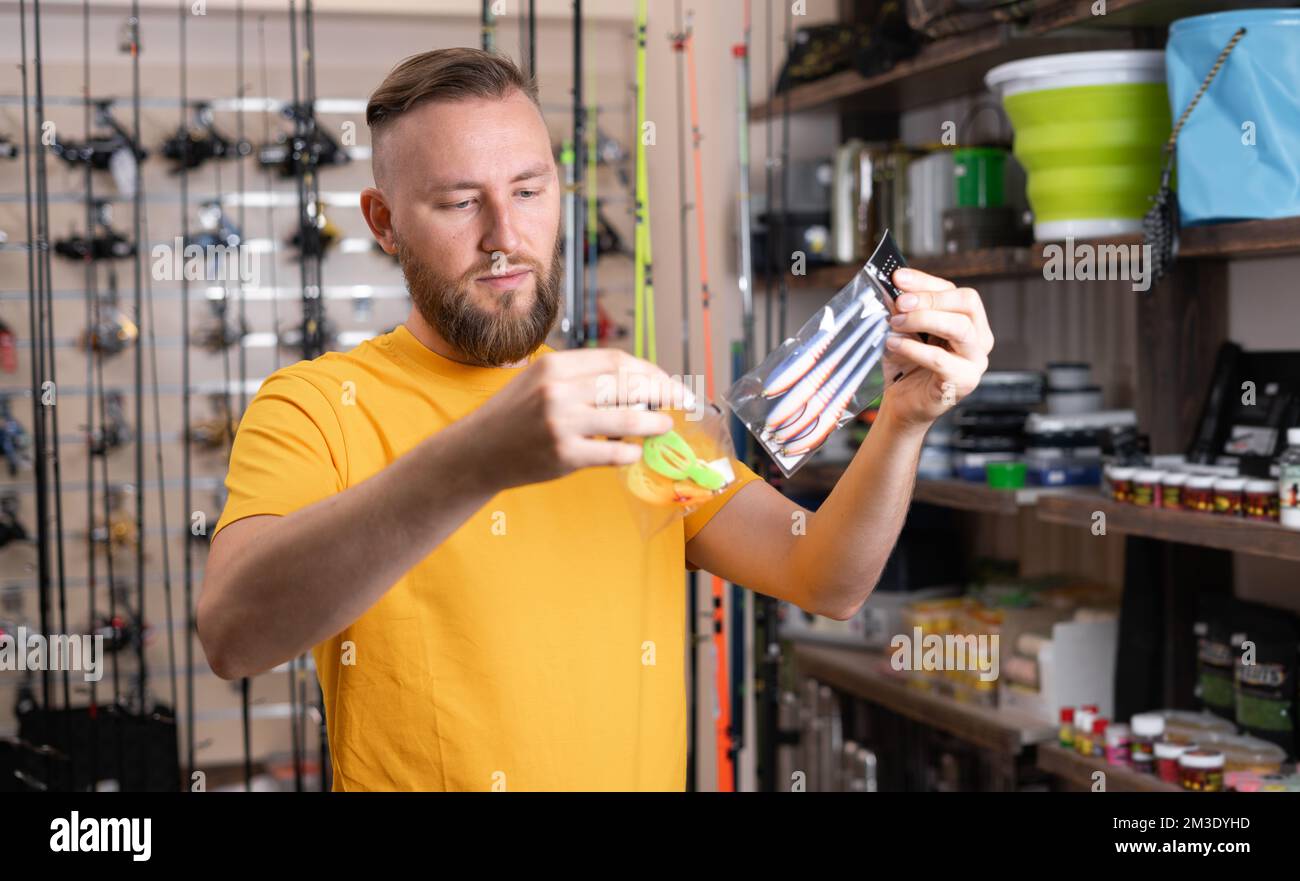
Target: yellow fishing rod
(643, 278)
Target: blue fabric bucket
(1239, 153)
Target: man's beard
(485, 338)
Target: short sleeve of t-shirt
(288, 451)
(696, 520)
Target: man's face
(475, 204)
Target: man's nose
(500, 234)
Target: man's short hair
(445, 75)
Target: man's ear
(375, 209)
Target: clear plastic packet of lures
(826, 374)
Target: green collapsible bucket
(1090, 128)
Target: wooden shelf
(966, 495)
(963, 495)
(1078, 770)
(1273, 238)
(867, 675)
(1219, 241)
(1183, 527)
(941, 70)
(956, 65)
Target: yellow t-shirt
(540, 647)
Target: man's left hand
(937, 374)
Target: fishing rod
(683, 200)
(51, 435)
(770, 160)
(143, 223)
(296, 749)
(567, 160)
(91, 282)
(768, 607)
(592, 331)
(723, 721)
(228, 426)
(186, 462)
(299, 132)
(743, 601)
(530, 36)
(785, 181)
(245, 697)
(36, 328)
(489, 27)
(133, 26)
(746, 269)
(643, 273)
(318, 317)
(579, 172)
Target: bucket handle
(1205, 86)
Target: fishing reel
(112, 335)
(608, 241)
(104, 243)
(11, 529)
(121, 632)
(316, 234)
(215, 432)
(108, 245)
(114, 432)
(608, 150)
(313, 149)
(309, 339)
(221, 332)
(121, 533)
(15, 442)
(218, 228)
(116, 151)
(201, 142)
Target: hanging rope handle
(1209, 78)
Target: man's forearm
(850, 537)
(308, 575)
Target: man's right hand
(556, 416)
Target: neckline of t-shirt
(405, 345)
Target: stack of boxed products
(1026, 644)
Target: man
(434, 513)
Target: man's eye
(460, 206)
(529, 194)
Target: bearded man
(436, 514)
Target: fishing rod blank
(138, 218)
(769, 254)
(91, 320)
(785, 180)
(147, 714)
(683, 200)
(746, 269)
(592, 332)
(725, 747)
(579, 172)
(644, 344)
(319, 318)
(186, 439)
(37, 331)
(489, 27)
(744, 601)
(245, 708)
